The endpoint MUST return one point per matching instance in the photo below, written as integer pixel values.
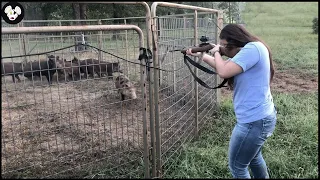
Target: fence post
(100, 41)
(24, 49)
(156, 96)
(61, 35)
(184, 25)
(20, 43)
(159, 21)
(126, 36)
(196, 105)
(218, 80)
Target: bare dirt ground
(66, 125)
(47, 130)
(288, 81)
(294, 82)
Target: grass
(292, 151)
(287, 29)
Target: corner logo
(12, 12)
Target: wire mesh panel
(63, 115)
(26, 48)
(178, 98)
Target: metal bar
(23, 44)
(196, 103)
(181, 6)
(156, 95)
(100, 42)
(26, 30)
(182, 15)
(159, 22)
(218, 79)
(126, 45)
(72, 20)
(20, 43)
(144, 107)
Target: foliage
(315, 25)
(49, 11)
(231, 10)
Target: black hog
(41, 68)
(11, 69)
(70, 69)
(125, 87)
(91, 66)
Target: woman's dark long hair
(237, 36)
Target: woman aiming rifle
(250, 71)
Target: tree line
(60, 11)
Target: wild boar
(125, 87)
(11, 69)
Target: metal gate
(181, 105)
(73, 128)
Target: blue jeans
(245, 147)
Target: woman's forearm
(216, 62)
(219, 63)
(209, 60)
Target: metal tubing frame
(151, 82)
(26, 30)
(196, 89)
(151, 91)
(220, 26)
(157, 73)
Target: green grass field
(286, 28)
(292, 151)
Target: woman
(250, 71)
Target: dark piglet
(41, 68)
(70, 69)
(91, 66)
(125, 87)
(11, 69)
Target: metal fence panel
(74, 127)
(182, 106)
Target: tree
(79, 13)
(83, 13)
(231, 10)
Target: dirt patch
(51, 131)
(294, 82)
(288, 81)
(47, 130)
